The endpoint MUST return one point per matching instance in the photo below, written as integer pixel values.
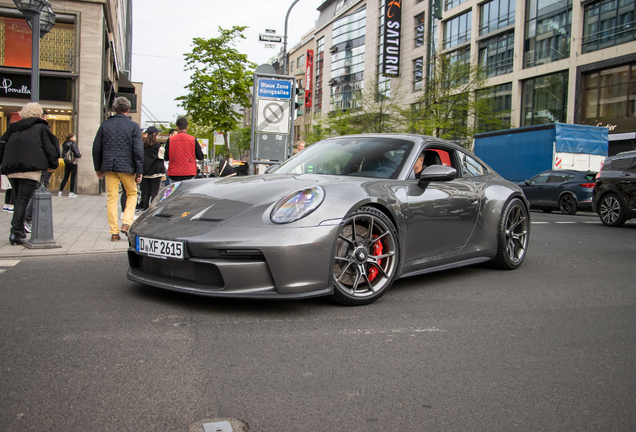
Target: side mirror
(527, 182)
(437, 173)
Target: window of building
(301, 61)
(610, 94)
(496, 14)
(57, 48)
(607, 23)
(419, 30)
(548, 28)
(418, 73)
(457, 30)
(347, 61)
(499, 99)
(319, 63)
(291, 68)
(497, 54)
(545, 99)
(449, 4)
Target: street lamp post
(284, 38)
(40, 17)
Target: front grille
(188, 271)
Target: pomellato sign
(10, 90)
(391, 39)
(51, 88)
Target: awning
(622, 136)
(124, 85)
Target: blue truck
(519, 154)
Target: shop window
(499, 99)
(57, 48)
(610, 94)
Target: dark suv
(614, 197)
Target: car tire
(567, 204)
(547, 210)
(513, 236)
(611, 211)
(366, 258)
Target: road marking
(540, 223)
(2, 271)
(8, 263)
(566, 222)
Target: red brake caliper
(377, 251)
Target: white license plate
(159, 248)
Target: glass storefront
(545, 99)
(609, 94)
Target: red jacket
(182, 155)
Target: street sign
(271, 146)
(270, 38)
(274, 88)
(270, 46)
(272, 117)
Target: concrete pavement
(80, 225)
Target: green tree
(221, 80)
(448, 107)
(381, 108)
(240, 142)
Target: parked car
(615, 192)
(566, 190)
(345, 218)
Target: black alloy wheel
(366, 259)
(514, 233)
(567, 204)
(611, 211)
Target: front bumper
(272, 262)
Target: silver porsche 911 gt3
(345, 217)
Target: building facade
(567, 61)
(85, 61)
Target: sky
(163, 31)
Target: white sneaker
(59, 193)
(72, 195)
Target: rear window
(590, 177)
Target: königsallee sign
(391, 39)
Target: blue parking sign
(274, 88)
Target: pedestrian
(182, 151)
(70, 153)
(162, 153)
(9, 200)
(153, 168)
(300, 146)
(27, 149)
(118, 156)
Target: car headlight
(297, 205)
(165, 193)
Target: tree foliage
(221, 81)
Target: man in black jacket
(118, 156)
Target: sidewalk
(80, 225)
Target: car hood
(244, 200)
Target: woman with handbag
(154, 168)
(70, 153)
(27, 149)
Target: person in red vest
(182, 152)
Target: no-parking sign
(272, 116)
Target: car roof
(625, 154)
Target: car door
(533, 188)
(626, 183)
(553, 188)
(441, 218)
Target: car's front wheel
(611, 211)
(366, 259)
(567, 204)
(514, 232)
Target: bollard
(42, 223)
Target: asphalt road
(548, 347)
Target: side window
(622, 164)
(541, 178)
(557, 178)
(470, 167)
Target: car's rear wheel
(366, 259)
(567, 204)
(514, 232)
(611, 211)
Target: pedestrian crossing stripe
(8, 263)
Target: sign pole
(285, 38)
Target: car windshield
(377, 157)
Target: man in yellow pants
(118, 156)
